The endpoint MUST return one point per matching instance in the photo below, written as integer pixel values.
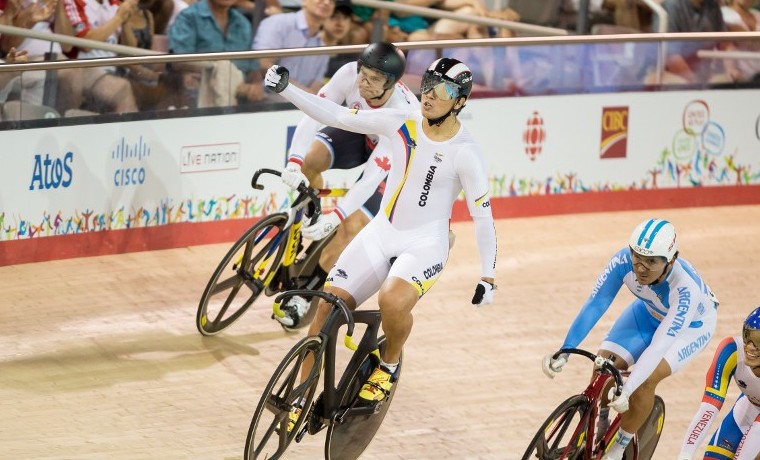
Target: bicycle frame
(292, 227)
(340, 315)
(604, 370)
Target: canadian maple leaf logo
(384, 163)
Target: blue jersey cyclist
(671, 320)
(432, 158)
(738, 435)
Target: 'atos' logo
(52, 173)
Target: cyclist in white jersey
(402, 251)
(738, 436)
(670, 322)
(371, 82)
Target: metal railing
(150, 57)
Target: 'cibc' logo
(614, 142)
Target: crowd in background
(201, 26)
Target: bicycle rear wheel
(242, 275)
(268, 435)
(560, 437)
(650, 431)
(348, 439)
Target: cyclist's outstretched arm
(335, 90)
(717, 379)
(605, 289)
(379, 121)
(474, 180)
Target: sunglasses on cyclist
(443, 89)
(752, 337)
(649, 262)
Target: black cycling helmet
(386, 58)
(448, 70)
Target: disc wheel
(349, 438)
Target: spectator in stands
(16, 57)
(297, 30)
(494, 67)
(212, 26)
(149, 86)
(739, 16)
(336, 31)
(403, 26)
(682, 64)
(39, 17)
(66, 88)
(25, 14)
(103, 88)
(164, 13)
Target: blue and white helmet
(654, 238)
(752, 323)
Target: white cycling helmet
(654, 238)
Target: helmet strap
(382, 95)
(439, 121)
(666, 270)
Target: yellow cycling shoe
(293, 416)
(377, 386)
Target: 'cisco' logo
(52, 173)
(130, 174)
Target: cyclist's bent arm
(335, 90)
(380, 121)
(717, 380)
(605, 289)
(472, 176)
(375, 170)
(682, 311)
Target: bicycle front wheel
(268, 435)
(563, 434)
(242, 275)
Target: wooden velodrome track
(100, 358)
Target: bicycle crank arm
(358, 411)
(254, 284)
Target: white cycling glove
(276, 78)
(324, 225)
(483, 293)
(619, 403)
(292, 176)
(553, 367)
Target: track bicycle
(569, 432)
(270, 257)
(351, 422)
